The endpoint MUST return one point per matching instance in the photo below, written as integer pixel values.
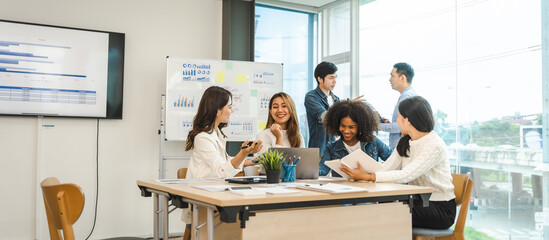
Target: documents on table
(182, 180)
(213, 188)
(368, 164)
(333, 188)
(270, 190)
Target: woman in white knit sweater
(421, 159)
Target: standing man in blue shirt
(401, 80)
(318, 101)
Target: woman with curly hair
(355, 123)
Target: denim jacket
(336, 150)
(316, 103)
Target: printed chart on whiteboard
(251, 84)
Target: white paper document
(183, 180)
(368, 164)
(213, 188)
(333, 188)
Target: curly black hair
(366, 119)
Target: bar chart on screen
(52, 71)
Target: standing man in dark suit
(318, 101)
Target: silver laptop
(307, 167)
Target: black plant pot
(273, 176)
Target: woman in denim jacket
(355, 123)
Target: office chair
(64, 204)
(462, 189)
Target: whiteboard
(251, 84)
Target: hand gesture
(255, 147)
(250, 162)
(276, 130)
(359, 98)
(358, 174)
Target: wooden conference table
(304, 215)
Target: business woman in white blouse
(209, 158)
(421, 159)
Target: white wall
(129, 148)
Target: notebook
(307, 167)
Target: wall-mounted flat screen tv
(60, 71)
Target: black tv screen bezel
(115, 73)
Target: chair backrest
(463, 186)
(64, 204)
(182, 173)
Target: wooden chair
(462, 189)
(64, 204)
(182, 173)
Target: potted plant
(272, 162)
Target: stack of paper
(366, 162)
(333, 188)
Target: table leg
(165, 213)
(155, 216)
(210, 216)
(195, 232)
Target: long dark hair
(292, 126)
(366, 119)
(420, 115)
(213, 100)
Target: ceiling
(312, 3)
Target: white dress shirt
(209, 158)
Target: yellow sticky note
(241, 78)
(220, 77)
(261, 125)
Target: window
(286, 36)
(484, 85)
(337, 45)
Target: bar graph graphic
(37, 73)
(13, 55)
(22, 64)
(53, 71)
(184, 102)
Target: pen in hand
(249, 144)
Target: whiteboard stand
(162, 134)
